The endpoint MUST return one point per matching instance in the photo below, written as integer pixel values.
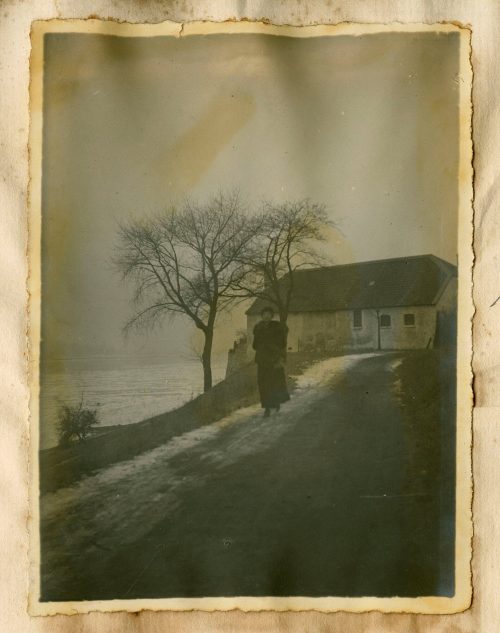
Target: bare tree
(285, 240)
(187, 262)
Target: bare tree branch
(188, 262)
(285, 240)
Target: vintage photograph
(250, 256)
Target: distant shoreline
(143, 359)
(64, 465)
(123, 392)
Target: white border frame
(427, 604)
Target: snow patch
(324, 371)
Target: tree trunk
(206, 359)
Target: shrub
(75, 422)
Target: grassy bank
(63, 465)
(427, 391)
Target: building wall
(251, 322)
(335, 331)
(447, 302)
(446, 331)
(401, 336)
(237, 356)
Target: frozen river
(122, 392)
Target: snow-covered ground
(125, 500)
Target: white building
(402, 303)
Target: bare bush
(75, 422)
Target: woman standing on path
(269, 343)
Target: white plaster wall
(335, 332)
(448, 300)
(401, 336)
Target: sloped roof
(387, 283)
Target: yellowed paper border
(427, 604)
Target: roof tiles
(403, 281)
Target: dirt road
(324, 498)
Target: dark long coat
(269, 343)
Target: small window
(357, 319)
(385, 320)
(409, 320)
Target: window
(409, 320)
(385, 320)
(357, 319)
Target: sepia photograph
(250, 252)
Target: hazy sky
(367, 125)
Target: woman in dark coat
(269, 343)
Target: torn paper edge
(426, 604)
